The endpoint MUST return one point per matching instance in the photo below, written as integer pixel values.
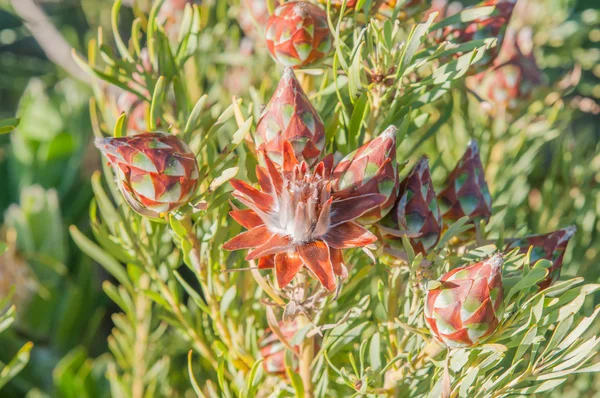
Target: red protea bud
(295, 220)
(466, 307)
(466, 192)
(156, 172)
(492, 26)
(416, 210)
(550, 247)
(510, 83)
(273, 350)
(298, 34)
(370, 169)
(253, 13)
(290, 116)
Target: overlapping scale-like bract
(466, 192)
(298, 34)
(156, 172)
(550, 247)
(466, 307)
(416, 211)
(290, 116)
(372, 168)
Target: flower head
(493, 26)
(371, 168)
(298, 34)
(416, 210)
(296, 220)
(465, 308)
(290, 116)
(156, 172)
(466, 192)
(550, 247)
(273, 350)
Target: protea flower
(273, 350)
(416, 212)
(491, 26)
(466, 192)
(550, 247)
(290, 116)
(156, 172)
(371, 168)
(510, 83)
(296, 220)
(298, 34)
(253, 12)
(465, 308)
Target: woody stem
(307, 350)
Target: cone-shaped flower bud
(510, 83)
(295, 220)
(416, 210)
(491, 26)
(550, 247)
(273, 350)
(156, 172)
(290, 116)
(466, 192)
(298, 34)
(465, 308)
(370, 169)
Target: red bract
(416, 210)
(492, 26)
(550, 247)
(371, 168)
(510, 83)
(298, 34)
(466, 192)
(273, 350)
(156, 172)
(465, 308)
(290, 116)
(295, 220)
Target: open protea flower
(416, 211)
(465, 308)
(371, 168)
(290, 116)
(273, 350)
(550, 247)
(492, 26)
(297, 221)
(466, 192)
(298, 34)
(510, 83)
(156, 172)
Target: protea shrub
(466, 306)
(297, 34)
(156, 172)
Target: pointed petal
(289, 157)
(266, 262)
(352, 208)
(337, 262)
(287, 265)
(323, 221)
(246, 218)
(315, 256)
(264, 180)
(275, 175)
(276, 244)
(348, 235)
(253, 238)
(262, 199)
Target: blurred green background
(45, 168)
